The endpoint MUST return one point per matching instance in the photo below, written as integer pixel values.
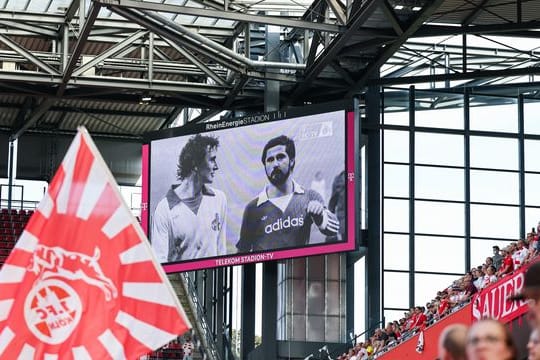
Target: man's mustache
(276, 171)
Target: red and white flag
(420, 342)
(82, 281)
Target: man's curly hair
(193, 154)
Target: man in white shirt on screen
(189, 222)
(282, 214)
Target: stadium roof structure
(126, 67)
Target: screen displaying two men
(243, 191)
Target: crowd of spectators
(502, 263)
(181, 348)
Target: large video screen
(258, 188)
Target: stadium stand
(451, 300)
(12, 223)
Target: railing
(325, 354)
(207, 338)
(17, 201)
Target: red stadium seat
(5, 211)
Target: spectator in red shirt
(420, 319)
(507, 265)
(444, 305)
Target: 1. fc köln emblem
(53, 308)
(52, 311)
(82, 281)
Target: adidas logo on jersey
(281, 224)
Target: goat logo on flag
(82, 281)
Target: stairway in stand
(180, 287)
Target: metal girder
(457, 76)
(309, 15)
(174, 35)
(329, 53)
(112, 51)
(411, 66)
(32, 118)
(68, 16)
(220, 6)
(71, 10)
(198, 63)
(23, 111)
(353, 50)
(238, 86)
(178, 33)
(194, 100)
(339, 10)
(27, 55)
(68, 70)
(342, 72)
(238, 29)
(156, 85)
(101, 25)
(218, 48)
(120, 83)
(171, 117)
(222, 14)
(131, 65)
(474, 14)
(317, 37)
(203, 117)
(442, 30)
(387, 51)
(391, 16)
(315, 41)
(33, 29)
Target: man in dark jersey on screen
(282, 214)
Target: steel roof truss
(172, 117)
(34, 29)
(238, 86)
(227, 15)
(72, 62)
(111, 52)
(27, 55)
(339, 10)
(175, 36)
(197, 62)
(392, 17)
(330, 52)
(475, 13)
(101, 25)
(220, 50)
(71, 10)
(342, 72)
(387, 51)
(32, 118)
